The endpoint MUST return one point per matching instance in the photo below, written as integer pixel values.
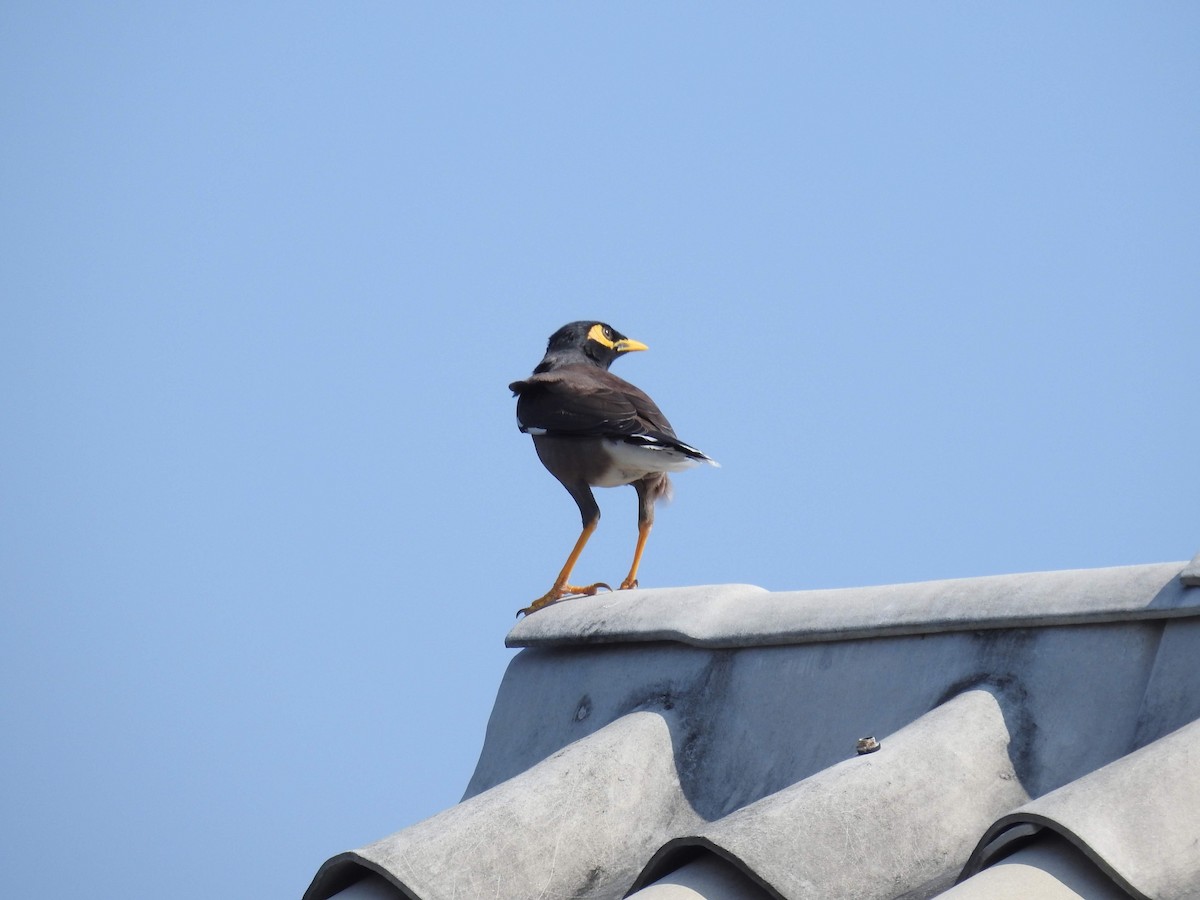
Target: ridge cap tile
(740, 615)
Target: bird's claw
(563, 592)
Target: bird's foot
(561, 591)
(628, 584)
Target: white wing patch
(650, 442)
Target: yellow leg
(631, 579)
(561, 588)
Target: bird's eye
(608, 333)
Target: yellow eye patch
(625, 345)
(597, 335)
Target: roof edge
(346, 869)
(1014, 830)
(677, 852)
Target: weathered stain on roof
(701, 743)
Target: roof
(1036, 736)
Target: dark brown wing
(586, 401)
(648, 412)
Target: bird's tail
(699, 455)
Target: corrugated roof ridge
(745, 615)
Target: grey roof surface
(701, 743)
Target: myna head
(596, 342)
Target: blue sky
(923, 277)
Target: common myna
(593, 429)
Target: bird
(590, 429)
